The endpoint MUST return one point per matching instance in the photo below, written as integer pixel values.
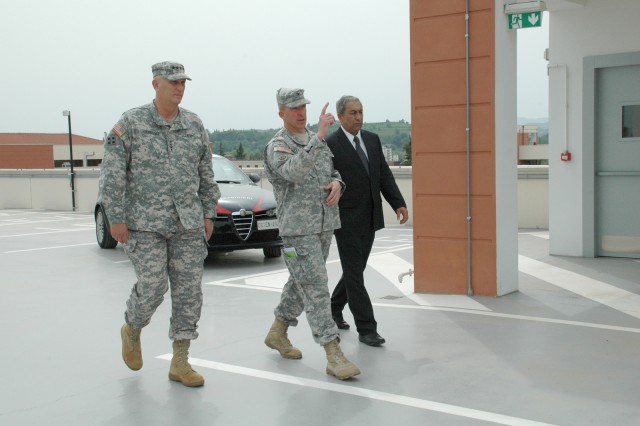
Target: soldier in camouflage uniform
(159, 195)
(307, 189)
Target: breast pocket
(325, 165)
(152, 144)
(187, 147)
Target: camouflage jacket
(298, 173)
(154, 172)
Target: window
(630, 122)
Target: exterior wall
(599, 27)
(533, 152)
(26, 157)
(533, 197)
(47, 156)
(49, 189)
(46, 150)
(504, 151)
(439, 147)
(81, 153)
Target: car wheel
(272, 251)
(103, 234)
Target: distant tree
(407, 153)
(226, 142)
(254, 154)
(240, 155)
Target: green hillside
(396, 134)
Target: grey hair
(343, 101)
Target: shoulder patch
(282, 149)
(119, 129)
(111, 140)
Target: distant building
(48, 150)
(391, 158)
(387, 151)
(530, 152)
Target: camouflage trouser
(307, 287)
(177, 258)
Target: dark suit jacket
(361, 197)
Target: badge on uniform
(290, 251)
(111, 140)
(119, 129)
(282, 149)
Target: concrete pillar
(439, 147)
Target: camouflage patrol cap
(291, 98)
(170, 70)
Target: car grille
(231, 239)
(243, 223)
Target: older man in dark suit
(359, 159)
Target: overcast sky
(94, 58)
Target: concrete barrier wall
(50, 190)
(533, 197)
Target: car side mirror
(255, 177)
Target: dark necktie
(361, 154)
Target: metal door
(618, 161)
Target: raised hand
(326, 120)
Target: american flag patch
(282, 149)
(119, 129)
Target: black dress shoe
(372, 339)
(341, 323)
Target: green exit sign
(525, 20)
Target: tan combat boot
(180, 370)
(337, 365)
(131, 350)
(277, 339)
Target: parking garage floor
(563, 350)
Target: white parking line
(43, 233)
(392, 398)
(514, 317)
(245, 286)
(539, 234)
(274, 281)
(391, 267)
(598, 291)
(48, 248)
(30, 222)
(277, 278)
(387, 240)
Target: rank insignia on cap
(119, 129)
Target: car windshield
(227, 172)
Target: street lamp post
(67, 114)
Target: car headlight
(271, 212)
(222, 212)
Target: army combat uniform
(157, 178)
(299, 170)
